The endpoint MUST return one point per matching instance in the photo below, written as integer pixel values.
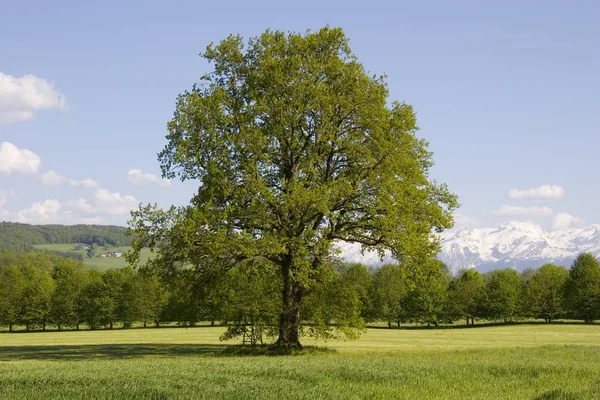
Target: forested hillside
(22, 237)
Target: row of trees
(66, 294)
(38, 290)
(548, 293)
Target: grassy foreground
(516, 362)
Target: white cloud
(523, 211)
(542, 192)
(81, 205)
(104, 202)
(40, 211)
(79, 211)
(51, 178)
(140, 178)
(565, 221)
(5, 195)
(21, 97)
(113, 203)
(51, 211)
(13, 159)
(88, 183)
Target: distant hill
(22, 237)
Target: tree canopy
(582, 288)
(293, 146)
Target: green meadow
(559, 361)
(98, 263)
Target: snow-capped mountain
(517, 245)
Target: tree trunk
(398, 322)
(111, 325)
(10, 327)
(389, 324)
(59, 326)
(212, 322)
(77, 327)
(472, 321)
(289, 319)
(145, 323)
(467, 321)
(157, 323)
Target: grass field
(96, 262)
(511, 362)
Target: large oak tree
(294, 146)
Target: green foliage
(35, 300)
(357, 277)
(252, 302)
(182, 304)
(582, 289)
(334, 307)
(12, 288)
(99, 263)
(504, 295)
(21, 237)
(98, 302)
(389, 289)
(426, 302)
(466, 295)
(70, 279)
(545, 292)
(151, 297)
(39, 289)
(294, 146)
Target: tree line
(21, 237)
(41, 290)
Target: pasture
(98, 263)
(517, 361)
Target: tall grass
(516, 362)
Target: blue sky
(507, 93)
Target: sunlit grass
(97, 262)
(519, 361)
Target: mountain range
(518, 245)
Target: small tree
(504, 294)
(35, 301)
(12, 288)
(92, 251)
(389, 289)
(70, 278)
(152, 297)
(357, 277)
(333, 307)
(98, 305)
(182, 305)
(545, 292)
(582, 289)
(466, 295)
(426, 302)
